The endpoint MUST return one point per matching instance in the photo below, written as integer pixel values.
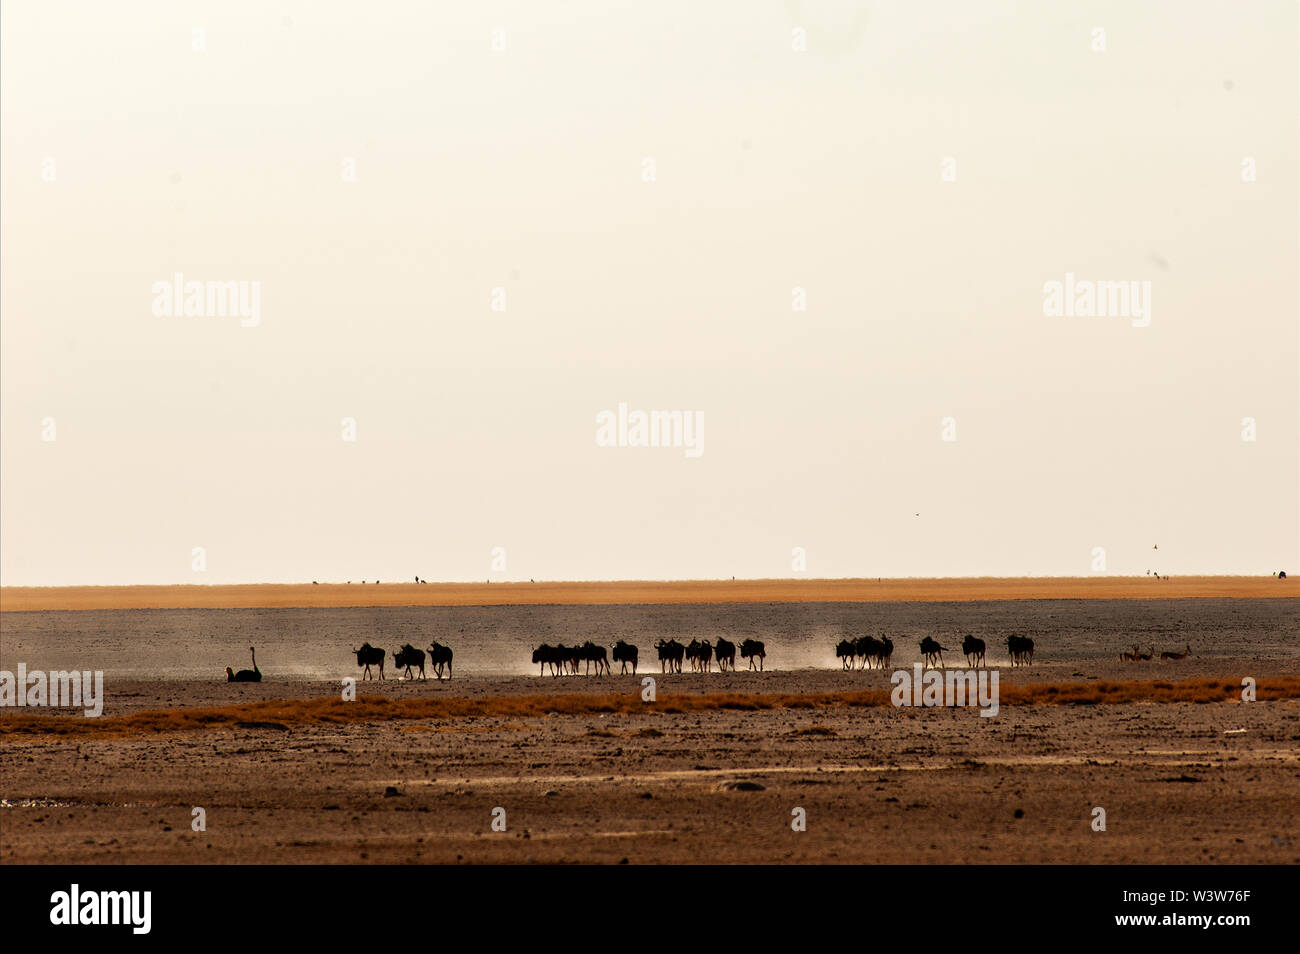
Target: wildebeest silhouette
(369, 656)
(625, 653)
(1022, 650)
(725, 650)
(886, 650)
(753, 650)
(932, 652)
(547, 655)
(440, 656)
(846, 653)
(409, 657)
(869, 650)
(245, 675)
(700, 653)
(973, 648)
(591, 653)
(671, 653)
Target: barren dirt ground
(1180, 782)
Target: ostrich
(245, 675)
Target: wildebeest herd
(408, 658)
(872, 653)
(701, 654)
(569, 659)
(576, 660)
(864, 652)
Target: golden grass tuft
(377, 709)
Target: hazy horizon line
(733, 579)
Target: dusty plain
(713, 771)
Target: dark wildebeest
(591, 653)
(625, 653)
(886, 650)
(407, 657)
(440, 656)
(725, 650)
(700, 653)
(845, 652)
(753, 649)
(671, 654)
(1022, 650)
(546, 655)
(932, 652)
(973, 647)
(369, 656)
(868, 648)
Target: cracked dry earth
(1179, 782)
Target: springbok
(1183, 655)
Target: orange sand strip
(372, 709)
(26, 598)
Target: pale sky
(127, 156)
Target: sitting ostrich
(245, 675)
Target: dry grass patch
(377, 709)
